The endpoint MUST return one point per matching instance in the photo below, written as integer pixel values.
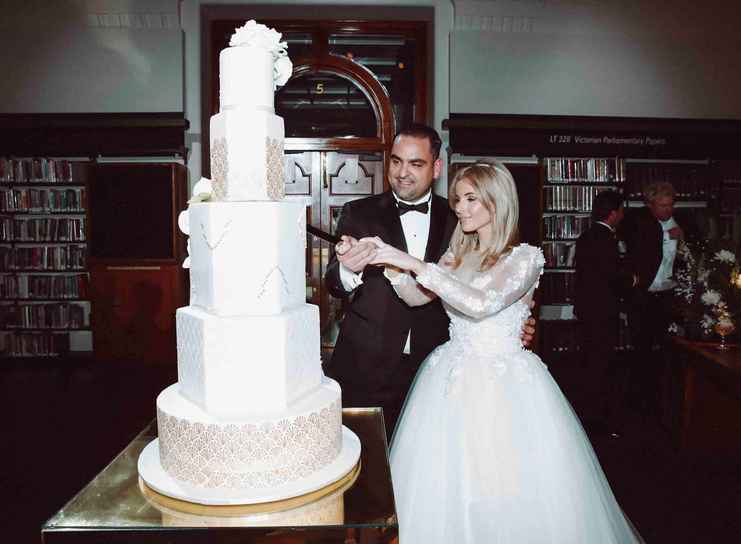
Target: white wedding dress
(487, 449)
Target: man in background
(652, 236)
(599, 284)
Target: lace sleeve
(507, 283)
(409, 290)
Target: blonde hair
(657, 189)
(495, 187)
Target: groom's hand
(354, 255)
(528, 329)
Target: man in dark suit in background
(599, 283)
(382, 341)
(652, 235)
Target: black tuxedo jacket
(644, 238)
(376, 323)
(599, 279)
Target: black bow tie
(404, 207)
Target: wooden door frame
(373, 90)
(418, 27)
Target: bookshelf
(77, 232)
(44, 305)
(729, 215)
(569, 188)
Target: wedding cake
(252, 417)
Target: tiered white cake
(252, 417)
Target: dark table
(708, 418)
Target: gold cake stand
(234, 510)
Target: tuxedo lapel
(389, 216)
(438, 217)
(606, 233)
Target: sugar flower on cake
(282, 71)
(256, 35)
(184, 226)
(202, 191)
(253, 34)
(186, 262)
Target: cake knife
(327, 237)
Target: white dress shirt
(663, 280)
(416, 227)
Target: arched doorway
(336, 151)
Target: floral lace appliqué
(219, 168)
(487, 311)
(276, 186)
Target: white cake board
(155, 477)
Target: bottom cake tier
(212, 452)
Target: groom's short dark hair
(604, 203)
(418, 130)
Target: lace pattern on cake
(219, 168)
(249, 455)
(190, 352)
(276, 185)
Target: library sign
(577, 139)
(653, 145)
(563, 136)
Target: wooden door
(136, 252)
(325, 181)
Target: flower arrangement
(708, 285)
(253, 34)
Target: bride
(487, 448)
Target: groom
(382, 341)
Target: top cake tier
(250, 70)
(246, 79)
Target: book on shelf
(64, 257)
(45, 315)
(35, 170)
(42, 229)
(559, 254)
(43, 287)
(565, 226)
(36, 200)
(34, 344)
(580, 170)
(571, 198)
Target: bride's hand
(389, 255)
